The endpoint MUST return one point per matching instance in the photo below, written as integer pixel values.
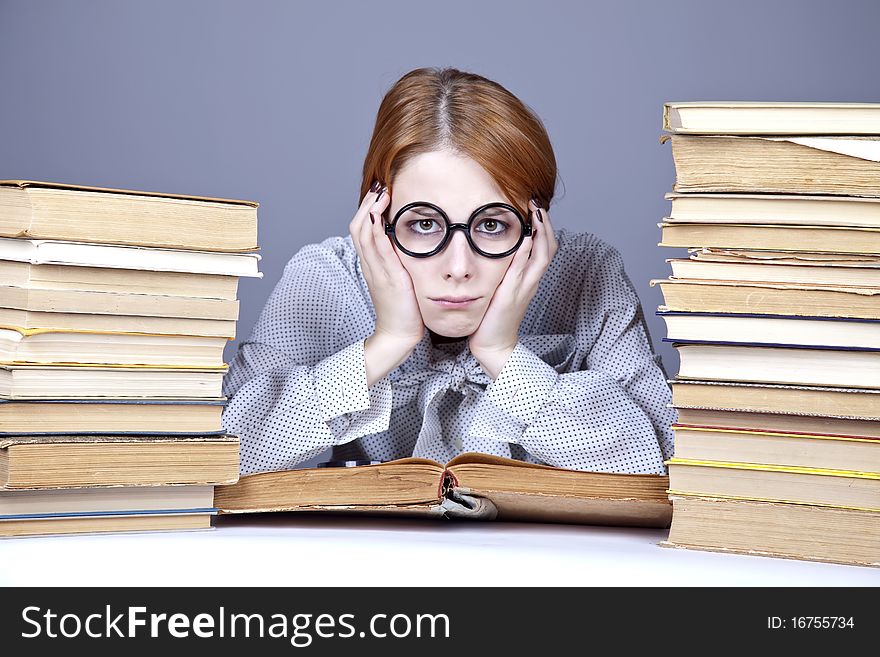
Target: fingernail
(381, 193)
(534, 233)
(375, 186)
(540, 217)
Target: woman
(453, 317)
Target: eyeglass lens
(494, 230)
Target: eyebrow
(428, 212)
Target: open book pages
(471, 485)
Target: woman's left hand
(498, 333)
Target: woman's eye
(424, 226)
(491, 226)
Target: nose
(458, 258)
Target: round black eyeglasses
(422, 229)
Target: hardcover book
(99, 510)
(78, 213)
(793, 531)
(820, 401)
(777, 165)
(773, 118)
(74, 461)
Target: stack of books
(115, 308)
(776, 318)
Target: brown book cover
(472, 485)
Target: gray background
(275, 101)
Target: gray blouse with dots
(582, 390)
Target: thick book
(107, 415)
(471, 485)
(73, 461)
(748, 297)
(833, 425)
(832, 332)
(125, 281)
(787, 364)
(123, 257)
(114, 500)
(116, 303)
(794, 531)
(19, 346)
(860, 453)
(819, 401)
(34, 321)
(851, 489)
(704, 266)
(775, 209)
(82, 381)
(831, 239)
(777, 165)
(771, 118)
(79, 213)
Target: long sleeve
(298, 385)
(610, 413)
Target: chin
(454, 327)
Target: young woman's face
(454, 287)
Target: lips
(453, 302)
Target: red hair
(429, 109)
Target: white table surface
(286, 549)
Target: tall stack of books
(115, 308)
(776, 318)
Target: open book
(471, 485)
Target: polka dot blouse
(582, 390)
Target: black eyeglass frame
(466, 227)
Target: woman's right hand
(399, 325)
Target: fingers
(363, 210)
(357, 228)
(381, 243)
(544, 246)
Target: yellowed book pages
(46, 210)
(769, 298)
(767, 398)
(19, 347)
(775, 483)
(113, 499)
(778, 422)
(75, 416)
(105, 524)
(32, 321)
(775, 209)
(771, 272)
(119, 281)
(777, 448)
(714, 163)
(112, 303)
(794, 531)
(835, 239)
(30, 462)
(471, 485)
